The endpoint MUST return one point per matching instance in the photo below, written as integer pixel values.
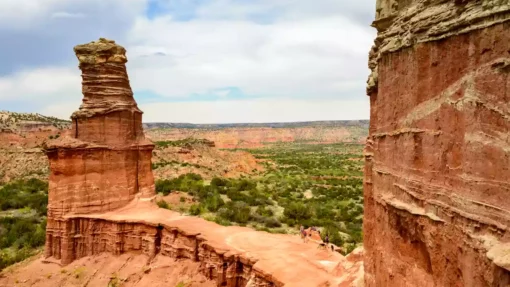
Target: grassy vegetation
(313, 185)
(182, 143)
(156, 165)
(22, 219)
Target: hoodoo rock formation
(437, 204)
(101, 190)
(107, 161)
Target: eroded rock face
(437, 205)
(106, 161)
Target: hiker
(302, 233)
(305, 237)
(326, 241)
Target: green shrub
(191, 183)
(32, 193)
(264, 211)
(213, 202)
(163, 204)
(8, 258)
(236, 211)
(272, 222)
(196, 209)
(219, 182)
(297, 211)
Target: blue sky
(200, 61)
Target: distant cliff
(353, 123)
(20, 122)
(256, 135)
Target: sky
(195, 61)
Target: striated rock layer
(101, 191)
(437, 204)
(107, 160)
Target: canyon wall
(437, 204)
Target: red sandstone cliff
(437, 172)
(106, 161)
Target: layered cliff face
(254, 137)
(437, 205)
(106, 161)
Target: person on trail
(302, 233)
(326, 240)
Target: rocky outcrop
(437, 210)
(101, 190)
(106, 162)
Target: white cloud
(24, 12)
(44, 85)
(27, 14)
(310, 58)
(64, 14)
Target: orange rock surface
(106, 161)
(437, 205)
(101, 202)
